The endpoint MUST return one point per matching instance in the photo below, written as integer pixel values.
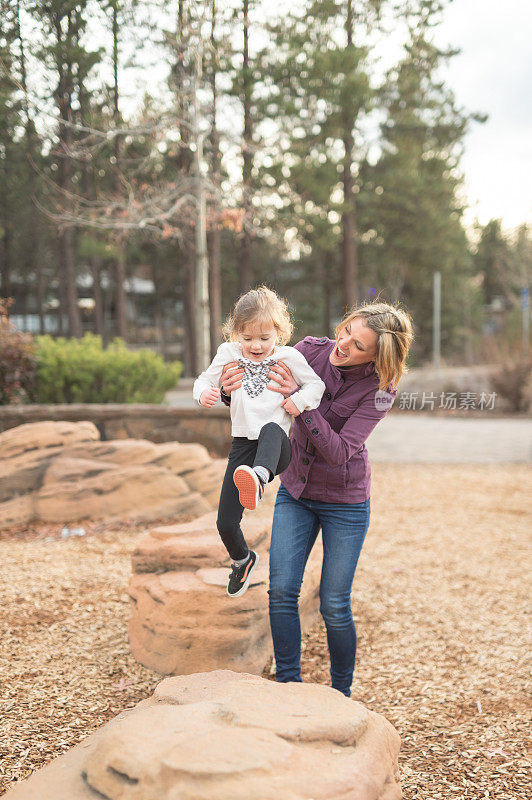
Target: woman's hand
(231, 377)
(283, 380)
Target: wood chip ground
(440, 599)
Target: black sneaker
(240, 576)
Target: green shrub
(17, 361)
(82, 371)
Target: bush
(17, 361)
(82, 371)
(513, 381)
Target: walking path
(426, 438)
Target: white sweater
(252, 404)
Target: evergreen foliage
(300, 194)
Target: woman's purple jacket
(329, 458)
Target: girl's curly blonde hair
(259, 306)
(394, 329)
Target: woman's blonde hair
(260, 306)
(394, 329)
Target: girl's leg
(230, 509)
(274, 450)
(294, 532)
(344, 527)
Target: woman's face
(356, 344)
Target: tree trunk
(66, 239)
(96, 265)
(244, 264)
(349, 222)
(186, 258)
(120, 290)
(33, 261)
(66, 244)
(41, 295)
(213, 240)
(121, 262)
(159, 309)
(190, 350)
(6, 239)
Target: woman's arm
(230, 380)
(337, 448)
(312, 386)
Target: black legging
(271, 450)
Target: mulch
(440, 602)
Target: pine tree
(318, 91)
(410, 207)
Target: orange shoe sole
(247, 483)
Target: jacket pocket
(336, 477)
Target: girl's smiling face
(257, 340)
(355, 344)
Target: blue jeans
(295, 528)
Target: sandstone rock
(117, 451)
(183, 621)
(62, 472)
(17, 511)
(208, 480)
(174, 456)
(228, 736)
(41, 435)
(120, 492)
(182, 458)
(193, 545)
(24, 473)
(196, 526)
(67, 469)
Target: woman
(327, 484)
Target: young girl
(256, 331)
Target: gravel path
(440, 601)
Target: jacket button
(315, 431)
(308, 420)
(303, 479)
(328, 396)
(305, 460)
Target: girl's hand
(290, 407)
(283, 380)
(231, 377)
(209, 397)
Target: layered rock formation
(182, 620)
(228, 736)
(62, 472)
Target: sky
(493, 75)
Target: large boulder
(227, 736)
(62, 472)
